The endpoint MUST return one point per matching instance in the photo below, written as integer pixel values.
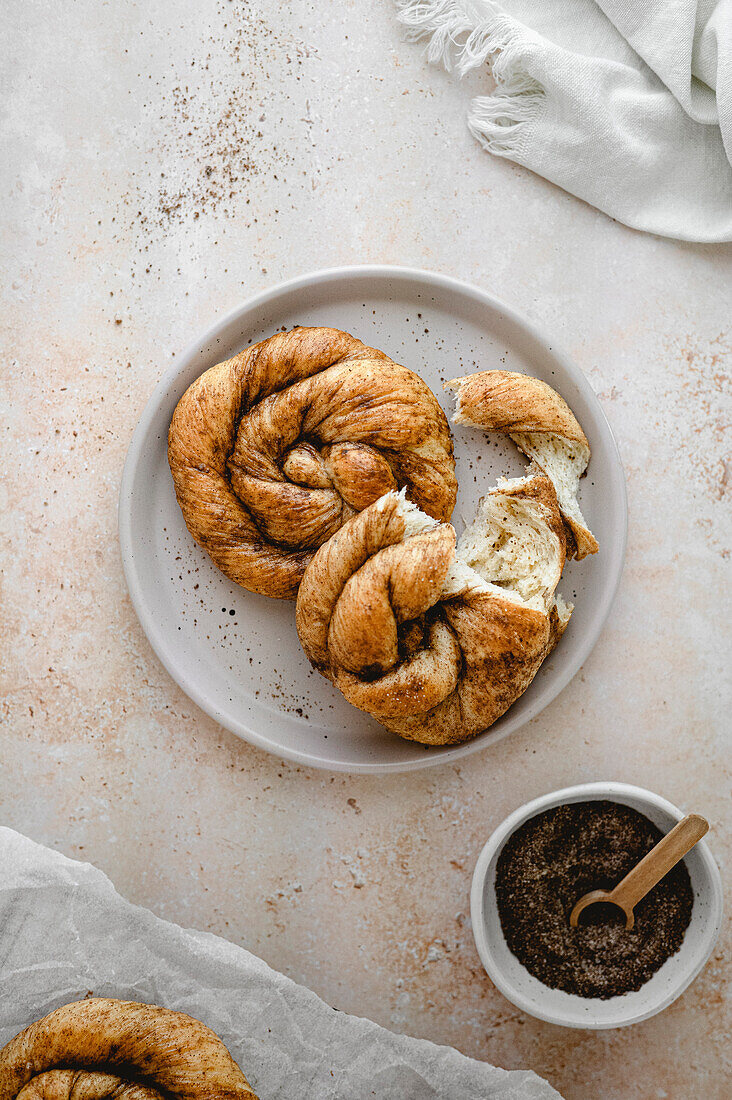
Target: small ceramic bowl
(567, 1009)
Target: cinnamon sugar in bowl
(689, 951)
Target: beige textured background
(161, 162)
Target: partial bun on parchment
(106, 1049)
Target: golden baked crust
(432, 659)
(506, 401)
(101, 1048)
(273, 450)
(543, 426)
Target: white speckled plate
(237, 654)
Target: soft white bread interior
(511, 545)
(564, 463)
(512, 548)
(542, 425)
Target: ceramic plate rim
(155, 633)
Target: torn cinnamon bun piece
(543, 426)
(436, 639)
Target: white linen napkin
(626, 104)
(66, 933)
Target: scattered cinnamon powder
(219, 128)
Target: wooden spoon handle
(659, 861)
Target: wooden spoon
(651, 869)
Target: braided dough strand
(273, 450)
(75, 1084)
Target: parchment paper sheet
(64, 931)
